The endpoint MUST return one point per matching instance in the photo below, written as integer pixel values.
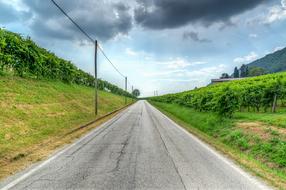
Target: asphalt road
(138, 149)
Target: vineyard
(260, 94)
(22, 57)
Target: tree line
(263, 93)
(23, 57)
(245, 71)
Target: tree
(224, 76)
(243, 71)
(256, 71)
(136, 92)
(236, 73)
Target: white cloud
(142, 54)
(278, 48)
(177, 80)
(130, 52)
(274, 50)
(186, 75)
(253, 35)
(18, 5)
(283, 3)
(275, 13)
(207, 72)
(164, 73)
(246, 59)
(178, 63)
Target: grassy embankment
(35, 115)
(257, 141)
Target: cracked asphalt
(138, 149)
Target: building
(215, 81)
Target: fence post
(274, 103)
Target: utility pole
(126, 89)
(132, 93)
(95, 79)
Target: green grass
(277, 119)
(265, 145)
(33, 111)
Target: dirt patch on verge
(264, 131)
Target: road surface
(138, 149)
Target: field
(40, 111)
(265, 93)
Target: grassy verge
(258, 147)
(35, 115)
(277, 119)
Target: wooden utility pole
(126, 89)
(95, 79)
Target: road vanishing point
(140, 148)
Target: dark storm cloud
(195, 37)
(160, 14)
(100, 19)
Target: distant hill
(274, 62)
(271, 63)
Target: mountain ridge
(272, 63)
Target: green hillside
(34, 111)
(22, 57)
(274, 62)
(42, 98)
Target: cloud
(183, 75)
(9, 14)
(178, 63)
(164, 73)
(182, 63)
(283, 3)
(273, 14)
(246, 59)
(101, 19)
(130, 52)
(278, 48)
(195, 37)
(274, 49)
(253, 35)
(276, 13)
(142, 54)
(161, 14)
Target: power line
(110, 61)
(88, 36)
(85, 33)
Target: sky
(160, 45)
